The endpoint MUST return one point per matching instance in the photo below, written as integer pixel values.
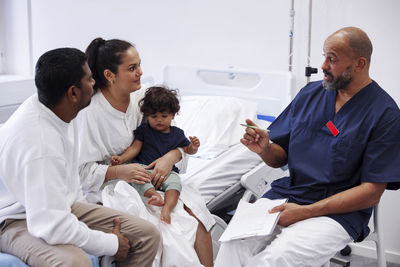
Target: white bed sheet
(215, 120)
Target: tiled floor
(359, 261)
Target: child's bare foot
(165, 215)
(156, 200)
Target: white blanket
(178, 237)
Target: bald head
(357, 40)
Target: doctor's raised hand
(255, 139)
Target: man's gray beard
(340, 82)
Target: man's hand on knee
(123, 242)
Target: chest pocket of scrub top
(347, 155)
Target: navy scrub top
(321, 164)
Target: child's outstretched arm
(194, 145)
(129, 154)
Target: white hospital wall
(213, 33)
(381, 21)
(2, 40)
(14, 40)
(243, 34)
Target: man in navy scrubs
(341, 140)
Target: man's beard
(84, 105)
(340, 82)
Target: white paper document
(252, 219)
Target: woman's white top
(104, 132)
(39, 179)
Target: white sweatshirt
(39, 179)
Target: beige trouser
(144, 238)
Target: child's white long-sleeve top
(39, 179)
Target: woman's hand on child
(133, 173)
(161, 169)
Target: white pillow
(215, 120)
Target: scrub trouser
(144, 238)
(310, 242)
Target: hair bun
(99, 41)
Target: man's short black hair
(56, 71)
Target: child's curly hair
(159, 99)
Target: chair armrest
(258, 180)
(254, 180)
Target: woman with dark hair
(106, 130)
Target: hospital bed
(214, 102)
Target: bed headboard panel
(271, 90)
(14, 91)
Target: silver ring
(162, 176)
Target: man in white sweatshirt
(44, 219)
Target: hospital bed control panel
(255, 179)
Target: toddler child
(153, 139)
